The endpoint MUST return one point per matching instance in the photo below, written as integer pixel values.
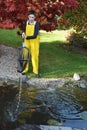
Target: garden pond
(55, 106)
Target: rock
(76, 77)
(83, 115)
(43, 127)
(53, 122)
(82, 85)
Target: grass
(57, 62)
(53, 36)
(54, 61)
(10, 38)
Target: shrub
(77, 40)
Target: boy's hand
(23, 35)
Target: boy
(31, 41)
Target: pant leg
(35, 53)
(27, 44)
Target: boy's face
(31, 17)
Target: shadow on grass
(56, 61)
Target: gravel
(8, 62)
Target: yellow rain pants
(33, 45)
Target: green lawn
(10, 38)
(54, 60)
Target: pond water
(65, 106)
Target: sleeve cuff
(27, 37)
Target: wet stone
(78, 129)
(43, 127)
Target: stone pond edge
(48, 82)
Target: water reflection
(7, 95)
(32, 105)
(61, 104)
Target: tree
(78, 18)
(14, 12)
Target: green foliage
(78, 18)
(77, 40)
